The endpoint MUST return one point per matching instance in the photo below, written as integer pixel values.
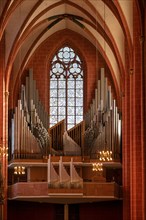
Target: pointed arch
(66, 87)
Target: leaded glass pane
(72, 55)
(79, 110)
(53, 119)
(70, 111)
(58, 68)
(61, 110)
(79, 93)
(73, 68)
(79, 77)
(78, 59)
(71, 93)
(52, 76)
(79, 119)
(61, 117)
(79, 101)
(61, 93)
(79, 84)
(62, 77)
(70, 125)
(53, 84)
(66, 55)
(53, 102)
(53, 93)
(61, 102)
(62, 84)
(71, 84)
(53, 110)
(71, 119)
(66, 49)
(71, 102)
(54, 59)
(70, 76)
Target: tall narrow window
(66, 88)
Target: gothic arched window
(66, 88)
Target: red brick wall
(2, 67)
(133, 124)
(144, 61)
(3, 124)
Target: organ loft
(80, 163)
(72, 110)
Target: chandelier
(19, 170)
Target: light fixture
(105, 155)
(19, 170)
(3, 149)
(97, 167)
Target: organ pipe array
(103, 122)
(69, 142)
(100, 130)
(62, 178)
(29, 135)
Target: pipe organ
(29, 124)
(69, 142)
(60, 169)
(62, 178)
(77, 133)
(103, 122)
(100, 130)
(56, 133)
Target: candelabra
(105, 156)
(3, 151)
(19, 170)
(97, 167)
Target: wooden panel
(56, 132)
(77, 133)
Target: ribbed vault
(106, 24)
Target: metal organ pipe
(30, 138)
(105, 121)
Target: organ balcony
(65, 179)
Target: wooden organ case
(52, 163)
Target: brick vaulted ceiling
(106, 24)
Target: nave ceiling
(28, 23)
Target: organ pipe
(30, 138)
(100, 130)
(103, 132)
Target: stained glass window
(66, 88)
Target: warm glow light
(97, 167)
(3, 151)
(105, 156)
(19, 170)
